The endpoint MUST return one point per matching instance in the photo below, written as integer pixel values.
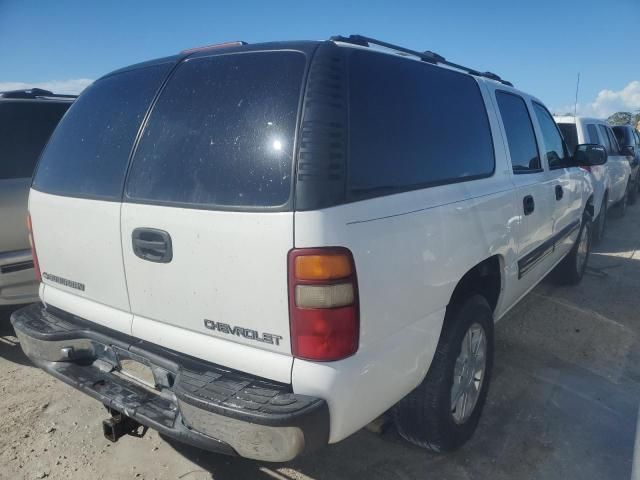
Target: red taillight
(323, 303)
(586, 168)
(36, 265)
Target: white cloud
(72, 85)
(608, 102)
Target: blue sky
(540, 45)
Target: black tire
(633, 192)
(600, 224)
(571, 269)
(621, 207)
(425, 417)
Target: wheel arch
(486, 278)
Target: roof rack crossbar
(426, 56)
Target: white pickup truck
(258, 249)
(611, 181)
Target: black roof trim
(35, 93)
(426, 56)
(148, 63)
(305, 46)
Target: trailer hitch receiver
(119, 425)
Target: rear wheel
(600, 225)
(442, 413)
(571, 270)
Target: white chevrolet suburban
(258, 249)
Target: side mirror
(628, 151)
(590, 155)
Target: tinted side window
(25, 127)
(614, 143)
(593, 134)
(556, 153)
(222, 133)
(605, 138)
(413, 125)
(88, 153)
(623, 136)
(570, 135)
(520, 135)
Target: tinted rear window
(25, 127)
(413, 125)
(222, 133)
(88, 154)
(570, 134)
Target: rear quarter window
(25, 127)
(413, 125)
(88, 153)
(222, 133)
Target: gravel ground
(563, 403)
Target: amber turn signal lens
(322, 267)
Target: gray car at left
(27, 119)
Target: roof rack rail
(426, 56)
(34, 93)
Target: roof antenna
(575, 105)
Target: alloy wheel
(468, 376)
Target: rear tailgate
(225, 281)
(76, 197)
(211, 182)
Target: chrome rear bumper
(195, 402)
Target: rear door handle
(528, 204)
(152, 244)
(559, 192)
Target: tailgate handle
(152, 244)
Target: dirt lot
(563, 403)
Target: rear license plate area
(137, 370)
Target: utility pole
(575, 105)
